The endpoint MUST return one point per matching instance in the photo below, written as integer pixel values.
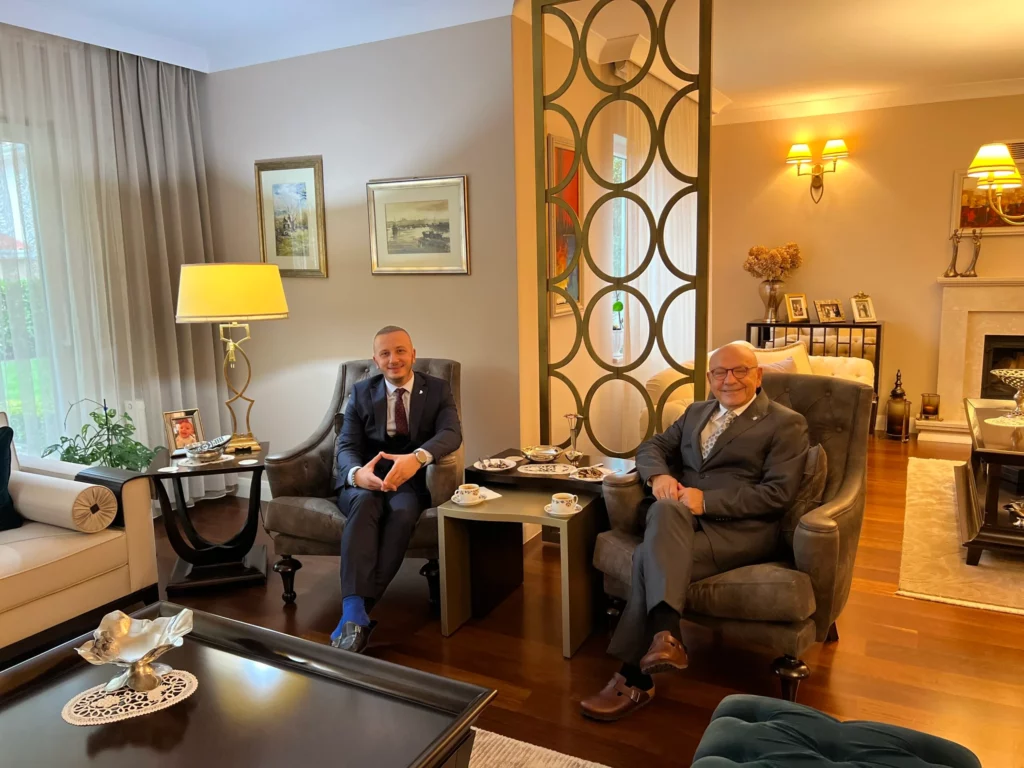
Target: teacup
(468, 493)
(563, 503)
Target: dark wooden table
(554, 483)
(201, 563)
(264, 699)
(981, 489)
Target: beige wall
(438, 103)
(881, 228)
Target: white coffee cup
(563, 503)
(467, 493)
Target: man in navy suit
(396, 423)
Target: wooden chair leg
(432, 573)
(287, 566)
(833, 634)
(790, 671)
(613, 610)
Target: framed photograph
(829, 311)
(183, 428)
(419, 226)
(796, 307)
(863, 309)
(290, 212)
(562, 245)
(972, 211)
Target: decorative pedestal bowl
(1013, 377)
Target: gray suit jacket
(749, 479)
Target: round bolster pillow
(64, 503)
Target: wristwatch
(421, 456)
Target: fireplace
(1000, 352)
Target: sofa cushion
(780, 366)
(81, 507)
(759, 731)
(810, 495)
(762, 592)
(37, 560)
(9, 517)
(797, 351)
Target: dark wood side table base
(978, 528)
(187, 578)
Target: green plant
(107, 441)
(617, 308)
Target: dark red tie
(401, 417)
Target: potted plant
(771, 266)
(107, 441)
(617, 328)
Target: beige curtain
(166, 222)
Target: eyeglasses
(739, 372)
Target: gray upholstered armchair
(793, 602)
(303, 518)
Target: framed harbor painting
(419, 226)
(290, 212)
(562, 245)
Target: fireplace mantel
(972, 308)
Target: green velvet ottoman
(760, 732)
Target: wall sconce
(996, 171)
(800, 155)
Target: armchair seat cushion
(319, 519)
(763, 592)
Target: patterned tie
(716, 433)
(401, 417)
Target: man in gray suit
(720, 480)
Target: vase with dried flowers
(772, 265)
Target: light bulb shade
(799, 153)
(834, 149)
(221, 293)
(992, 161)
(1000, 183)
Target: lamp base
(243, 444)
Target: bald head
(733, 374)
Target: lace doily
(97, 707)
(1005, 421)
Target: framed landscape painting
(290, 212)
(972, 211)
(418, 226)
(562, 243)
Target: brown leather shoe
(665, 654)
(616, 700)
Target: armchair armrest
(444, 476)
(307, 469)
(824, 547)
(622, 497)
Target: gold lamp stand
(241, 442)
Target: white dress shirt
(715, 420)
(392, 428)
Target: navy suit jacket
(433, 426)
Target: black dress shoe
(354, 638)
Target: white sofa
(851, 368)
(50, 570)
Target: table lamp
(232, 295)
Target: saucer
(547, 508)
(480, 500)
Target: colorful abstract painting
(562, 244)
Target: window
(619, 250)
(26, 377)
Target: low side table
(482, 558)
(202, 563)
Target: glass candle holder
(897, 419)
(929, 406)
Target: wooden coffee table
(481, 552)
(264, 698)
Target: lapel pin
(421, 392)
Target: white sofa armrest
(849, 368)
(138, 527)
(79, 507)
(66, 470)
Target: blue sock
(353, 608)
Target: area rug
(493, 751)
(932, 565)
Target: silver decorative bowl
(542, 454)
(204, 456)
(1013, 377)
(136, 644)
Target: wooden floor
(952, 671)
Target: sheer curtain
(657, 283)
(63, 316)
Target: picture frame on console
(562, 232)
(862, 309)
(290, 213)
(970, 209)
(829, 311)
(796, 308)
(183, 428)
(418, 226)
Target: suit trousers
(377, 532)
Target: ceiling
(772, 58)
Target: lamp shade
(799, 153)
(220, 293)
(1000, 182)
(992, 160)
(834, 149)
